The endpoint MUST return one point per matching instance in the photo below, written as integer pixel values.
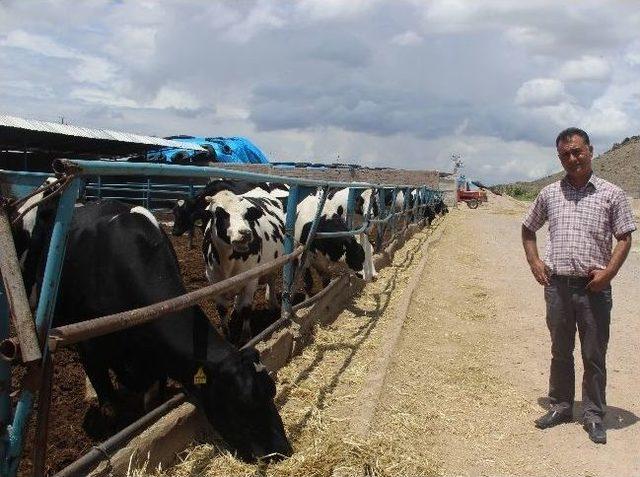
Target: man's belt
(571, 280)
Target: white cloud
(95, 70)
(333, 9)
(586, 68)
(88, 68)
(106, 98)
(39, 44)
(540, 92)
(169, 97)
(462, 15)
(263, 16)
(166, 98)
(530, 37)
(607, 122)
(135, 45)
(314, 79)
(494, 160)
(632, 54)
(407, 38)
(228, 111)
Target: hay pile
(318, 392)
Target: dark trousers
(570, 305)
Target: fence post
(351, 205)
(407, 203)
(44, 315)
(381, 213)
(393, 218)
(289, 239)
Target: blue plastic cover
(221, 149)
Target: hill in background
(619, 165)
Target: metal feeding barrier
(36, 339)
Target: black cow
(440, 207)
(118, 260)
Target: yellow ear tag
(200, 377)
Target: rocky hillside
(620, 165)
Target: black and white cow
(357, 253)
(245, 229)
(242, 232)
(118, 259)
(190, 212)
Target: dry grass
(317, 393)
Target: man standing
(584, 212)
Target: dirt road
(467, 377)
(477, 339)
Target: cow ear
(209, 199)
(180, 202)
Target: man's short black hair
(569, 132)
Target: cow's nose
(244, 236)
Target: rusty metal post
(5, 373)
(42, 423)
(16, 294)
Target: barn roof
(68, 140)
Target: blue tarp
(220, 149)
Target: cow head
(335, 249)
(363, 201)
(238, 400)
(186, 215)
(440, 207)
(429, 213)
(234, 220)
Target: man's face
(575, 156)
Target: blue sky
(401, 83)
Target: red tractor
(471, 197)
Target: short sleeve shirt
(582, 223)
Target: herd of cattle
(118, 258)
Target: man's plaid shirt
(581, 224)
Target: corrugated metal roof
(30, 125)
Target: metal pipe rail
(310, 301)
(94, 168)
(84, 330)
(101, 452)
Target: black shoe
(596, 432)
(553, 418)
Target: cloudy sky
(402, 83)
